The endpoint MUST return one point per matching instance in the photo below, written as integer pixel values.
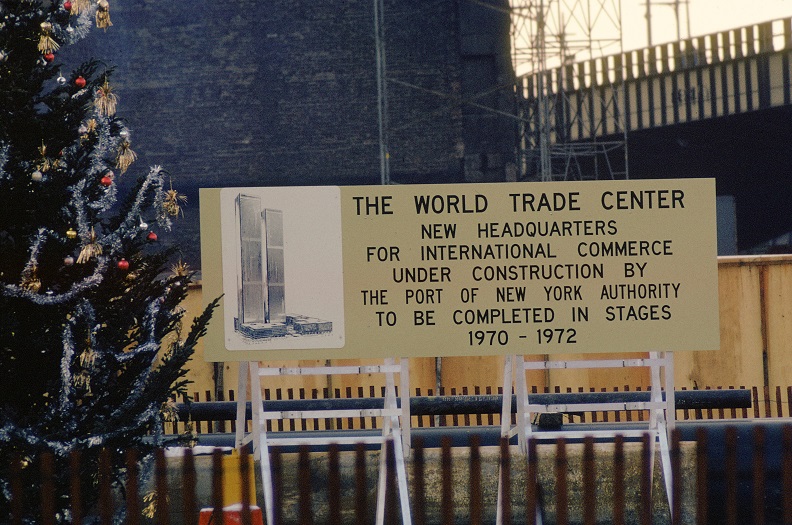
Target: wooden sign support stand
(662, 415)
(395, 424)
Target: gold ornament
(71, 233)
(47, 44)
(180, 269)
(173, 201)
(83, 382)
(103, 14)
(125, 156)
(87, 358)
(30, 280)
(44, 164)
(87, 129)
(77, 6)
(106, 100)
(90, 250)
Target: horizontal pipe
(460, 405)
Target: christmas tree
(91, 343)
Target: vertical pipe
(759, 475)
(531, 487)
(276, 464)
(305, 513)
(105, 494)
(244, 475)
(334, 484)
(589, 483)
(476, 504)
(786, 492)
(47, 489)
(217, 486)
(382, 90)
(361, 503)
(505, 472)
(731, 476)
(76, 492)
(419, 487)
(447, 494)
(189, 505)
(562, 495)
(676, 478)
(618, 480)
(646, 480)
(391, 501)
(702, 493)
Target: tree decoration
(180, 269)
(82, 381)
(44, 163)
(89, 352)
(103, 14)
(88, 356)
(90, 250)
(78, 6)
(47, 44)
(151, 237)
(173, 201)
(125, 156)
(105, 100)
(30, 280)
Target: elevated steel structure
(563, 48)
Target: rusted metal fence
(736, 476)
(766, 403)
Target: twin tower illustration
(261, 277)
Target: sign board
(472, 269)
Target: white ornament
(37, 176)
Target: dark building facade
(284, 92)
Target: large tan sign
(473, 269)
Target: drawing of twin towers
(261, 272)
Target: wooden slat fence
(749, 488)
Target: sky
(706, 16)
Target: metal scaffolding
(567, 57)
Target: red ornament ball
(67, 5)
(68, 260)
(49, 57)
(123, 265)
(80, 82)
(106, 181)
(151, 236)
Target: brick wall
(283, 92)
